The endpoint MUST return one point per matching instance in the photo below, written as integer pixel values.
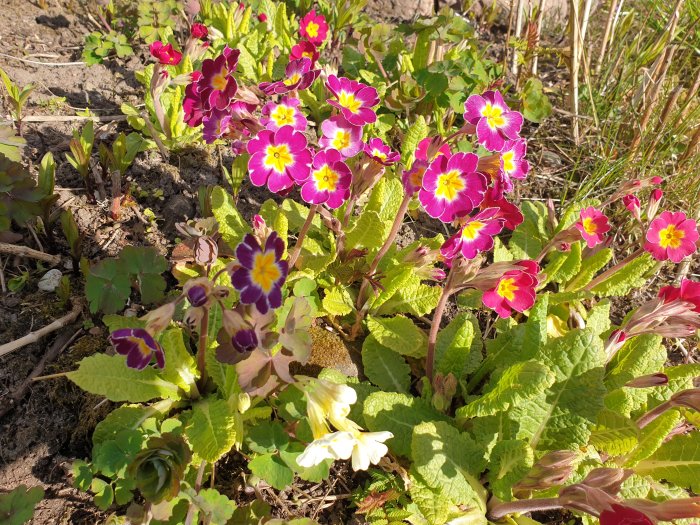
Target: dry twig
(24, 251)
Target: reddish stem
(294, 255)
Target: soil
(52, 425)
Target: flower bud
(199, 31)
(648, 381)
(654, 202)
(243, 402)
(193, 318)
(262, 17)
(206, 250)
(158, 319)
(608, 479)
(632, 203)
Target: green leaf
(180, 367)
(107, 287)
(530, 236)
(399, 334)
(536, 105)
(108, 376)
(514, 385)
(449, 462)
(272, 469)
(599, 317)
(676, 461)
(614, 434)
(384, 367)
(104, 495)
(147, 265)
(638, 356)
(315, 474)
(458, 346)
(416, 132)
(434, 507)
(113, 456)
(267, 436)
(417, 300)
(82, 475)
(217, 508)
(591, 265)
(232, 226)
(563, 266)
(562, 416)
(509, 462)
(626, 279)
(399, 414)
(652, 436)
(338, 301)
(17, 506)
(395, 279)
(210, 430)
(367, 231)
(385, 199)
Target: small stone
(50, 281)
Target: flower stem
(524, 505)
(202, 349)
(654, 413)
(435, 327)
(614, 269)
(294, 255)
(398, 221)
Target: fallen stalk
(33, 337)
(24, 251)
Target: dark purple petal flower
(138, 346)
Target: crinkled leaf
(676, 461)
(628, 278)
(614, 434)
(217, 508)
(384, 367)
(399, 334)
(530, 236)
(458, 346)
(514, 385)
(337, 301)
(108, 376)
(416, 132)
(509, 462)
(652, 436)
(367, 231)
(591, 265)
(399, 414)
(232, 226)
(210, 430)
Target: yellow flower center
(671, 237)
(326, 178)
(349, 102)
(144, 348)
(449, 185)
(295, 78)
(283, 115)
(471, 230)
(494, 116)
(308, 54)
(219, 80)
(265, 272)
(508, 161)
(507, 288)
(312, 29)
(278, 157)
(589, 226)
(378, 154)
(341, 139)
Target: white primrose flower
(369, 448)
(337, 445)
(326, 401)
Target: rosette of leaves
(158, 470)
(20, 198)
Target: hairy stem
(523, 505)
(202, 349)
(614, 269)
(435, 327)
(294, 255)
(654, 413)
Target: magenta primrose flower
(211, 88)
(299, 75)
(199, 31)
(314, 28)
(688, 291)
(514, 290)
(278, 158)
(593, 225)
(138, 346)
(632, 203)
(329, 180)
(507, 211)
(451, 186)
(283, 113)
(165, 54)
(354, 100)
(413, 179)
(216, 125)
(339, 134)
(380, 152)
(671, 236)
(476, 235)
(494, 121)
(621, 515)
(304, 49)
(261, 273)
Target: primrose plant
(534, 396)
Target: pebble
(50, 280)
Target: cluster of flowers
(329, 404)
